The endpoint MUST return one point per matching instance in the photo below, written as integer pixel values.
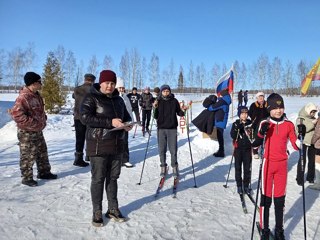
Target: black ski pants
(146, 116)
(104, 174)
(80, 135)
(311, 152)
(243, 157)
(220, 139)
(136, 113)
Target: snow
(61, 209)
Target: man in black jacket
(134, 98)
(167, 108)
(79, 93)
(102, 111)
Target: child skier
(274, 133)
(241, 135)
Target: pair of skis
(245, 210)
(174, 187)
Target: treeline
(263, 73)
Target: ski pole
(302, 172)
(135, 130)
(226, 185)
(145, 155)
(259, 180)
(194, 175)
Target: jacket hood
(227, 98)
(306, 110)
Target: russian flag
(225, 82)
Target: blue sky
(205, 31)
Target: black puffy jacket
(97, 112)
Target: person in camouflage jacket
(28, 112)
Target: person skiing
(307, 117)
(241, 133)
(221, 109)
(273, 133)
(316, 141)
(166, 110)
(257, 112)
(28, 112)
(79, 93)
(122, 93)
(102, 110)
(134, 100)
(146, 102)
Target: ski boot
(116, 215)
(97, 220)
(279, 234)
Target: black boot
(97, 219)
(265, 234)
(79, 160)
(47, 176)
(279, 234)
(220, 153)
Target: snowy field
(61, 209)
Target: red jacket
(28, 111)
(277, 139)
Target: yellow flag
(313, 75)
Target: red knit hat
(107, 76)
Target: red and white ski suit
(274, 168)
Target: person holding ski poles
(241, 133)
(316, 141)
(307, 116)
(166, 109)
(274, 133)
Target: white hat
(259, 94)
(120, 82)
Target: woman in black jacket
(101, 111)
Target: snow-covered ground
(61, 209)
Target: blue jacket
(221, 109)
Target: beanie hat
(259, 94)
(242, 109)
(274, 101)
(120, 82)
(146, 88)
(89, 76)
(156, 90)
(165, 87)
(107, 76)
(31, 77)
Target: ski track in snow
(61, 209)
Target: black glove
(301, 130)
(264, 128)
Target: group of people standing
(102, 110)
(242, 98)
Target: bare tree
(108, 62)
(238, 80)
(302, 70)
(143, 73)
(79, 74)
(30, 56)
(261, 70)
(216, 74)
(288, 78)
(2, 64)
(93, 65)
(15, 66)
(135, 62)
(125, 67)
(276, 72)
(244, 76)
(203, 75)
(191, 75)
(172, 71)
(154, 70)
(70, 69)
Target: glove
(264, 128)
(301, 130)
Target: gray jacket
(79, 93)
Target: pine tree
(52, 92)
(180, 80)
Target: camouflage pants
(33, 148)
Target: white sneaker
(127, 165)
(256, 156)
